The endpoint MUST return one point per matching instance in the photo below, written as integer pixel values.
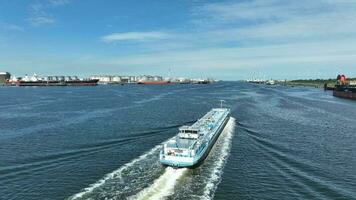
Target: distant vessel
(153, 82)
(193, 143)
(270, 82)
(51, 81)
(256, 81)
(345, 89)
(202, 81)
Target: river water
(103, 142)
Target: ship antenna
(221, 103)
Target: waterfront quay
(6, 79)
(117, 79)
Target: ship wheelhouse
(187, 132)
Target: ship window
(188, 131)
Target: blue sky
(193, 38)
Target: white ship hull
(193, 158)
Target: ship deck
(205, 125)
(181, 143)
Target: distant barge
(345, 92)
(344, 89)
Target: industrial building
(4, 76)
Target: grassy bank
(317, 83)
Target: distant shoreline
(311, 83)
(316, 83)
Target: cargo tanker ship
(345, 89)
(193, 143)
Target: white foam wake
(224, 153)
(163, 186)
(115, 174)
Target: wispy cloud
(11, 27)
(8, 31)
(278, 61)
(134, 36)
(291, 38)
(260, 11)
(58, 2)
(38, 12)
(248, 10)
(240, 57)
(272, 35)
(41, 20)
(268, 22)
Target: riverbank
(316, 83)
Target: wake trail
(224, 152)
(115, 174)
(163, 186)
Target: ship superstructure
(193, 143)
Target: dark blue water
(103, 142)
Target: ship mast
(221, 103)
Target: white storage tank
(116, 79)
